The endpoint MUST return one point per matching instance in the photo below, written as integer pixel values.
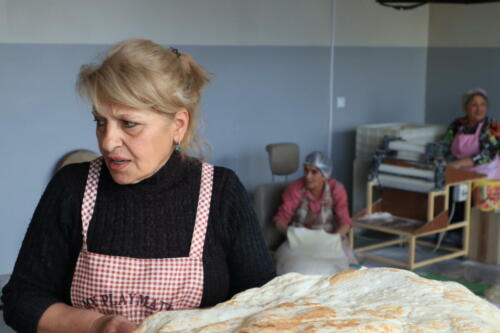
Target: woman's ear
(181, 124)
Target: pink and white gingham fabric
(136, 288)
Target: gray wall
(382, 85)
(454, 70)
(464, 48)
(262, 95)
(43, 120)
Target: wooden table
(415, 215)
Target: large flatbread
(369, 300)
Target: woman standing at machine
(474, 137)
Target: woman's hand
(462, 163)
(281, 225)
(343, 229)
(112, 324)
(62, 318)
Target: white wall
(366, 23)
(196, 22)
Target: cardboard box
(484, 242)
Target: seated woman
(315, 216)
(474, 137)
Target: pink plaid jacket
(292, 198)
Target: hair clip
(176, 51)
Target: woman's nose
(110, 138)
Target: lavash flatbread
(369, 300)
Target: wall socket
(460, 192)
(341, 102)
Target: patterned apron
(136, 288)
(326, 219)
(466, 145)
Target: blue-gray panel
(451, 71)
(42, 120)
(381, 85)
(259, 95)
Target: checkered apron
(136, 288)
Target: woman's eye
(99, 122)
(129, 124)
(313, 172)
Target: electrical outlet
(341, 102)
(460, 192)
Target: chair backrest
(76, 156)
(283, 158)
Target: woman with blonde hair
(145, 227)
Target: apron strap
(203, 210)
(89, 196)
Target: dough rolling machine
(413, 185)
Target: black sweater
(151, 219)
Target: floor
(458, 268)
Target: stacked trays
(369, 138)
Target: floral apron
(467, 145)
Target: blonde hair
(141, 74)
